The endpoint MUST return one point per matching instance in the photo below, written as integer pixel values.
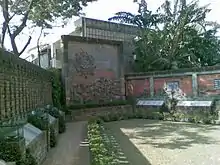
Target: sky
(103, 9)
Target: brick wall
(194, 82)
(23, 86)
(185, 83)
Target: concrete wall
(194, 82)
(105, 56)
(38, 147)
(108, 63)
(100, 29)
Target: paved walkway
(69, 151)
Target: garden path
(71, 148)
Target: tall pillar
(194, 84)
(64, 72)
(151, 86)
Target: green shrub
(29, 160)
(62, 124)
(95, 105)
(58, 94)
(113, 117)
(207, 120)
(39, 120)
(53, 139)
(53, 111)
(138, 114)
(10, 150)
(105, 118)
(168, 116)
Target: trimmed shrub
(53, 111)
(53, 139)
(95, 105)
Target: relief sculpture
(101, 90)
(84, 63)
(83, 89)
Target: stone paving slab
(168, 143)
(67, 152)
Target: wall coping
(172, 73)
(68, 38)
(13, 61)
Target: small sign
(194, 103)
(150, 102)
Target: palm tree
(144, 18)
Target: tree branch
(24, 21)
(26, 45)
(38, 45)
(6, 17)
(13, 44)
(4, 28)
(18, 30)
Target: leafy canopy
(38, 13)
(176, 36)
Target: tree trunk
(38, 45)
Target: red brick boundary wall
(194, 81)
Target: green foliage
(29, 160)
(190, 117)
(104, 148)
(53, 139)
(158, 114)
(101, 148)
(53, 111)
(57, 89)
(40, 13)
(39, 120)
(173, 37)
(10, 150)
(144, 18)
(95, 105)
(62, 124)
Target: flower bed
(103, 147)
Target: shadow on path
(133, 155)
(67, 150)
(171, 135)
(160, 134)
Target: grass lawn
(151, 142)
